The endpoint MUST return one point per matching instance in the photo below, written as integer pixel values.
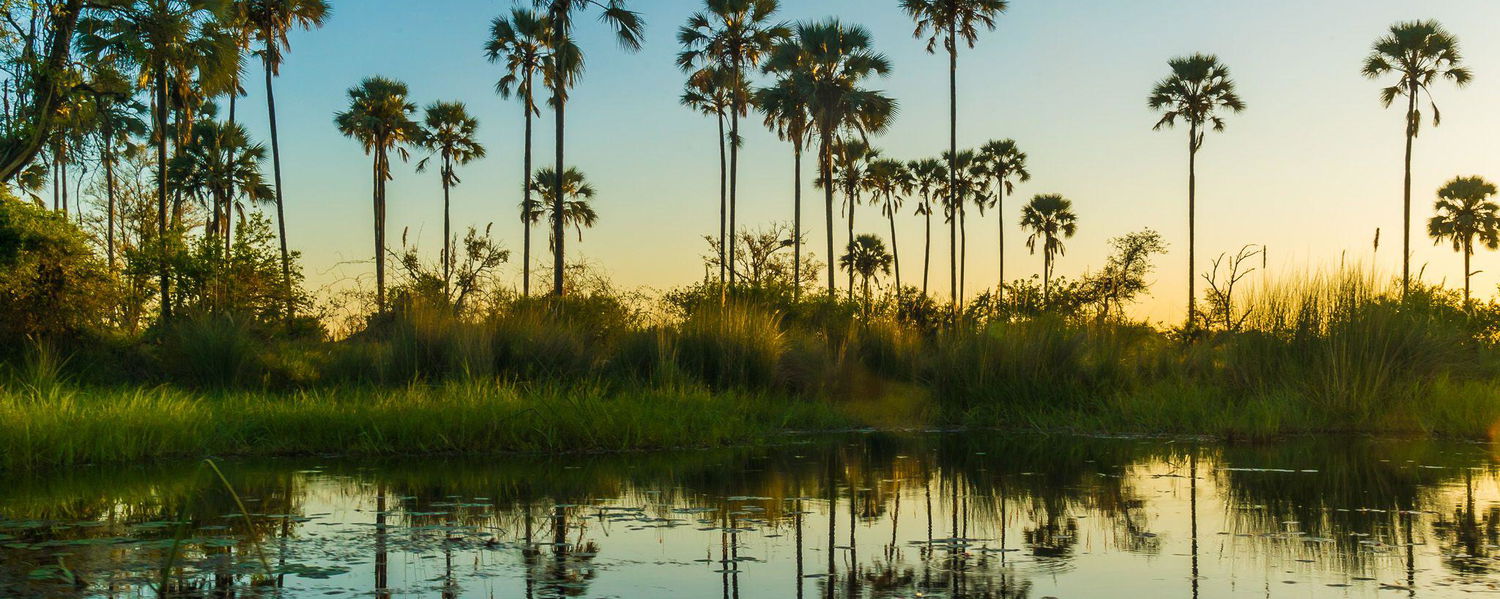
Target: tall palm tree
(449, 131)
(273, 20)
(116, 120)
(577, 202)
(164, 41)
(950, 21)
(731, 37)
(958, 192)
(1196, 91)
(521, 43)
(787, 113)
(379, 118)
(928, 176)
(867, 257)
(852, 157)
(1050, 219)
(1418, 53)
(707, 91)
(828, 63)
(1003, 160)
(562, 72)
(1466, 214)
(889, 180)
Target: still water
(867, 515)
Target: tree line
(96, 85)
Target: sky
(1310, 170)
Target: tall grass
(1337, 352)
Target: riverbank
(70, 426)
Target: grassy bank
(1333, 354)
(63, 427)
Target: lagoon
(929, 514)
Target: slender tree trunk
(161, 188)
(286, 259)
(895, 250)
(927, 248)
(1411, 134)
(109, 190)
(797, 221)
(62, 164)
(447, 233)
(558, 235)
(1192, 311)
(734, 175)
(379, 209)
(723, 206)
(1468, 251)
(526, 207)
(1047, 275)
(850, 194)
(952, 253)
(953, 283)
(1000, 223)
(825, 160)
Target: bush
(52, 286)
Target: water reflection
(869, 516)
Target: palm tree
(273, 20)
(928, 176)
(707, 91)
(379, 117)
(1466, 214)
(950, 20)
(888, 180)
(827, 62)
(1003, 160)
(851, 161)
(1050, 219)
(562, 72)
(221, 167)
(1198, 88)
(958, 191)
(449, 132)
(731, 37)
(117, 120)
(576, 202)
(787, 113)
(1419, 53)
(866, 256)
(521, 43)
(164, 41)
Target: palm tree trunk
(1000, 223)
(109, 190)
(895, 251)
(1468, 251)
(379, 209)
(526, 207)
(447, 233)
(849, 193)
(952, 252)
(1192, 221)
(953, 152)
(286, 259)
(797, 220)
(734, 174)
(161, 187)
(1411, 134)
(558, 235)
(723, 205)
(927, 249)
(826, 165)
(1047, 274)
(62, 165)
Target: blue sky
(1311, 169)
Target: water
(877, 515)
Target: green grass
(71, 426)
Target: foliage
(52, 285)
